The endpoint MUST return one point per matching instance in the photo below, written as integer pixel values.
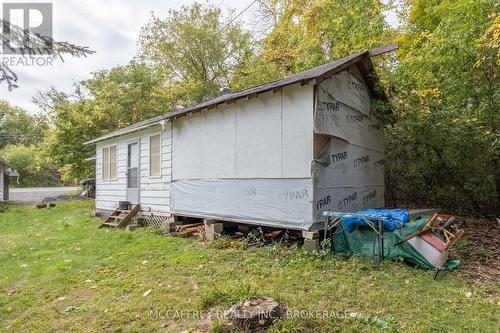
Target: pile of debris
(187, 230)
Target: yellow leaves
(425, 111)
(428, 93)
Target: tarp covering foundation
(274, 202)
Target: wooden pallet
(120, 218)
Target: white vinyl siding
(155, 155)
(154, 192)
(109, 163)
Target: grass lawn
(59, 272)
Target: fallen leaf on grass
(147, 292)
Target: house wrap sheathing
(276, 154)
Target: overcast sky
(109, 27)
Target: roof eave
(119, 133)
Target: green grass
(59, 272)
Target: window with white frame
(109, 162)
(155, 155)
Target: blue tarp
(393, 218)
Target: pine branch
(39, 45)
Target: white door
(133, 173)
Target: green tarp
(360, 242)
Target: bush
(33, 164)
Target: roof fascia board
(118, 134)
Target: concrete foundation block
(311, 245)
(210, 236)
(213, 228)
(167, 226)
(310, 234)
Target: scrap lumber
(187, 230)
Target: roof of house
(317, 73)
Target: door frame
(138, 143)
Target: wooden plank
(129, 216)
(117, 215)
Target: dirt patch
(479, 249)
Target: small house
(277, 154)
(6, 171)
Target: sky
(109, 27)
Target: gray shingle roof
(311, 74)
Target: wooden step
(110, 224)
(120, 218)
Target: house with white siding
(6, 171)
(277, 154)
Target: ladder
(120, 218)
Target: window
(155, 155)
(109, 162)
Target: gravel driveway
(37, 194)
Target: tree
(108, 101)
(19, 127)
(196, 49)
(444, 148)
(33, 164)
(308, 33)
(33, 44)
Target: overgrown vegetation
(442, 145)
(61, 273)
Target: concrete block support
(311, 245)
(311, 240)
(310, 234)
(166, 226)
(213, 228)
